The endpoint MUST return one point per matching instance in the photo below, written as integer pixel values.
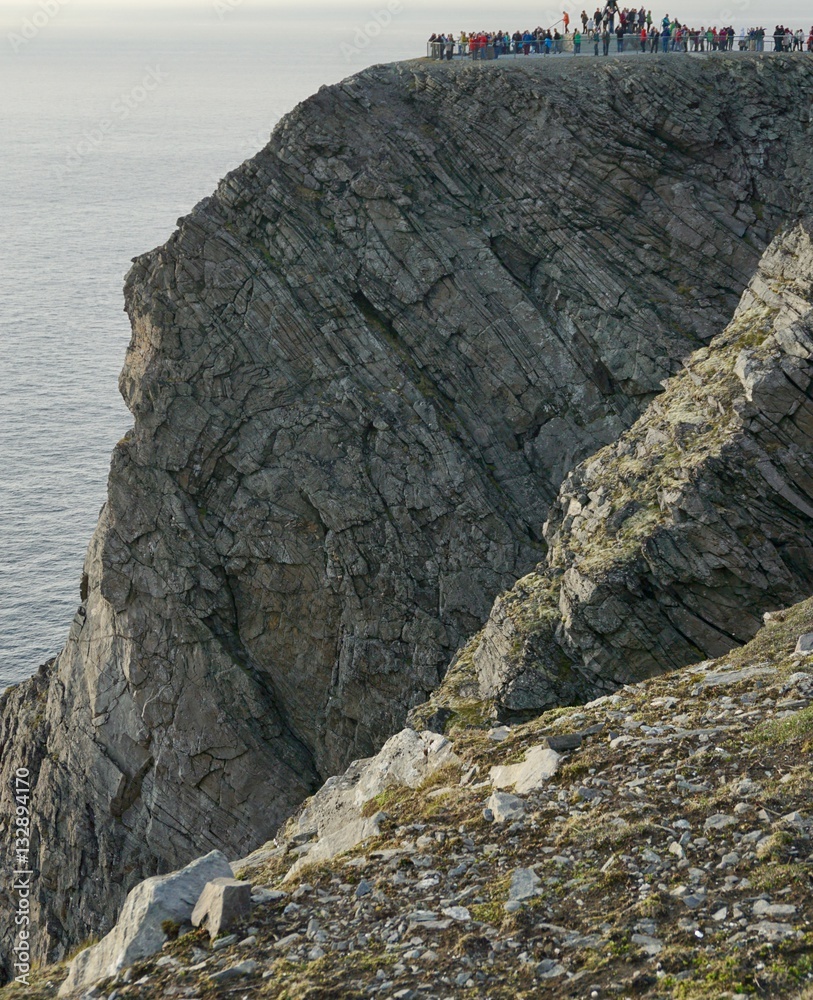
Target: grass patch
(792, 729)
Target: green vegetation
(794, 728)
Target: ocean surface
(114, 123)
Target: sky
(423, 16)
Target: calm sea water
(86, 187)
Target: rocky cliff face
(358, 375)
(669, 545)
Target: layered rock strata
(670, 544)
(358, 375)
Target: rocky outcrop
(668, 545)
(358, 375)
(343, 812)
(668, 856)
(145, 920)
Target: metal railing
(593, 44)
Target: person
(595, 42)
(605, 39)
(619, 36)
(643, 38)
(810, 40)
(577, 41)
(611, 10)
(665, 36)
(449, 46)
(566, 20)
(585, 19)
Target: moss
(488, 913)
(694, 420)
(399, 801)
(792, 729)
(170, 928)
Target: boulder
(505, 807)
(805, 644)
(524, 884)
(139, 931)
(540, 764)
(223, 903)
(336, 811)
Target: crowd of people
(630, 29)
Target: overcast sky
(418, 16)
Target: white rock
(524, 884)
(505, 807)
(288, 941)
(651, 945)
(263, 895)
(805, 643)
(621, 741)
(223, 903)
(138, 932)
(539, 766)
(719, 821)
(762, 908)
(771, 930)
(335, 811)
(549, 968)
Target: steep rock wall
(358, 375)
(669, 545)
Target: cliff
(359, 374)
(669, 545)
